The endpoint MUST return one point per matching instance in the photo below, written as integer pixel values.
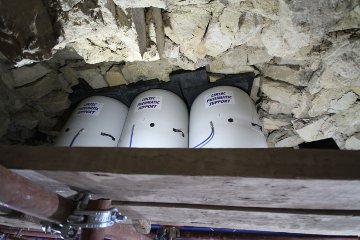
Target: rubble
(305, 57)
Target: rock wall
(306, 56)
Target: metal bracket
(82, 218)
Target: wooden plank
(245, 192)
(138, 16)
(159, 29)
(261, 221)
(253, 163)
(307, 191)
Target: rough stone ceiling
(305, 54)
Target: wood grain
(305, 191)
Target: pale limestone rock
(216, 42)
(238, 60)
(315, 130)
(172, 50)
(141, 3)
(42, 87)
(232, 29)
(70, 75)
(213, 77)
(266, 8)
(343, 103)
(114, 77)
(157, 3)
(29, 74)
(297, 77)
(345, 60)
(353, 142)
(67, 5)
(350, 21)
(255, 89)
(298, 101)
(54, 102)
(25, 119)
(187, 28)
(317, 17)
(347, 121)
(284, 138)
(46, 123)
(93, 77)
(283, 38)
(99, 33)
(321, 102)
(344, 123)
(136, 71)
(303, 105)
(272, 122)
(273, 107)
(329, 79)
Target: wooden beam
(253, 163)
(305, 191)
(159, 30)
(138, 16)
(248, 220)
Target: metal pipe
(22, 195)
(99, 233)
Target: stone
(137, 71)
(46, 123)
(100, 32)
(42, 87)
(213, 77)
(240, 26)
(27, 31)
(329, 79)
(353, 142)
(317, 17)
(284, 138)
(4, 120)
(273, 107)
(25, 119)
(29, 74)
(70, 75)
(297, 77)
(93, 77)
(321, 101)
(187, 26)
(11, 100)
(350, 21)
(238, 60)
(344, 123)
(298, 101)
(314, 130)
(165, 4)
(54, 102)
(255, 89)
(266, 8)
(345, 60)
(216, 42)
(114, 77)
(343, 103)
(6, 76)
(272, 122)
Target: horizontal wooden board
(256, 163)
(306, 191)
(261, 221)
(227, 191)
